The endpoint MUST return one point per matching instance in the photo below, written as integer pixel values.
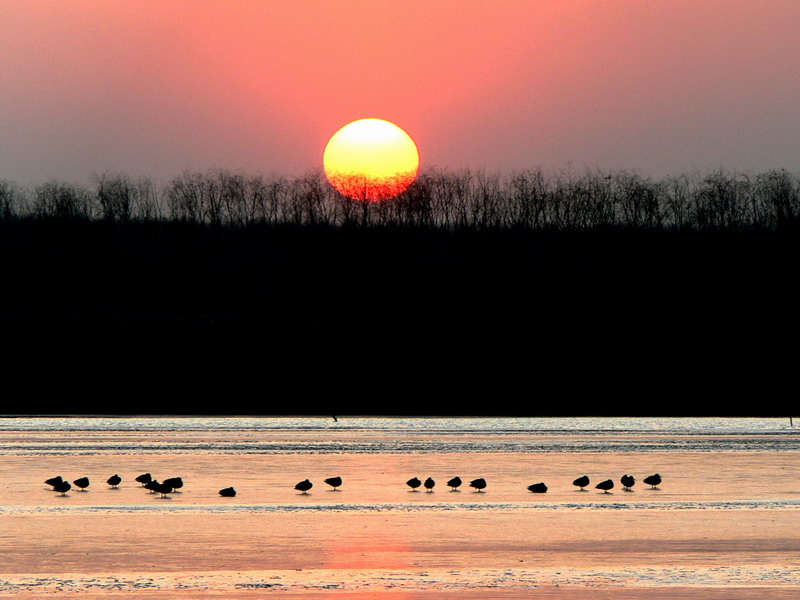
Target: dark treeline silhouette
(531, 200)
(467, 285)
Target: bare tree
(60, 200)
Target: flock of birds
(171, 484)
(627, 481)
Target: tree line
(439, 199)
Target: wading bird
(653, 480)
(479, 484)
(538, 488)
(62, 487)
(334, 482)
(144, 479)
(581, 482)
(114, 480)
(54, 481)
(81, 482)
(228, 492)
(429, 484)
(627, 481)
(304, 486)
(605, 485)
(175, 483)
(454, 483)
(414, 483)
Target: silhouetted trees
(439, 199)
(529, 272)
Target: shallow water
(724, 520)
(376, 435)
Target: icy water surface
(723, 523)
(252, 435)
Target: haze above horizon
(154, 87)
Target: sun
(371, 160)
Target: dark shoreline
(407, 314)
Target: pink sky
(153, 87)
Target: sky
(155, 87)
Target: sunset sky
(153, 87)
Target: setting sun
(371, 160)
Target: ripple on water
(411, 507)
(366, 580)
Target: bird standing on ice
(479, 484)
(653, 481)
(334, 482)
(454, 483)
(304, 486)
(581, 482)
(606, 485)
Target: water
(377, 435)
(697, 425)
(722, 519)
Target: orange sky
(151, 87)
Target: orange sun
(371, 160)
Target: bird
(581, 482)
(653, 480)
(414, 483)
(228, 492)
(152, 485)
(175, 483)
(304, 486)
(163, 489)
(454, 483)
(334, 482)
(54, 481)
(605, 485)
(627, 481)
(538, 488)
(479, 484)
(429, 484)
(62, 487)
(114, 480)
(81, 482)
(144, 479)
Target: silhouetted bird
(152, 485)
(653, 480)
(581, 482)
(54, 481)
(163, 489)
(62, 487)
(538, 488)
(605, 485)
(454, 483)
(304, 486)
(414, 483)
(429, 484)
(334, 482)
(175, 483)
(478, 484)
(144, 479)
(627, 481)
(114, 480)
(81, 482)
(228, 492)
